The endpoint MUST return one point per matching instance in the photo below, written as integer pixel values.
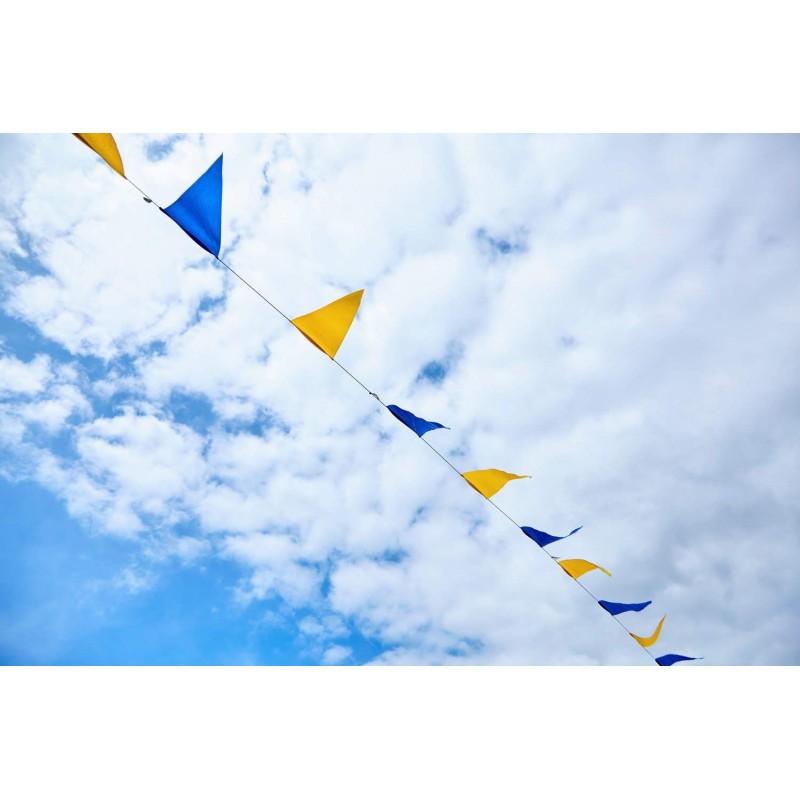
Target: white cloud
(17, 377)
(132, 582)
(336, 654)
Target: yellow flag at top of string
(489, 481)
(575, 567)
(646, 641)
(326, 327)
(104, 145)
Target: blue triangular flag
(417, 424)
(672, 658)
(199, 209)
(543, 539)
(621, 608)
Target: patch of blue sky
(24, 341)
(457, 452)
(61, 600)
(393, 555)
(27, 261)
(207, 305)
(193, 410)
(365, 648)
(61, 444)
(419, 515)
(265, 421)
(159, 149)
(498, 245)
(465, 647)
(433, 372)
(437, 370)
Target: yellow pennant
(326, 327)
(646, 641)
(104, 145)
(575, 567)
(489, 481)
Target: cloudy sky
(185, 480)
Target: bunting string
(198, 212)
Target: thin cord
(344, 369)
(250, 286)
(147, 198)
(373, 394)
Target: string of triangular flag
(198, 212)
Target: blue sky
(185, 481)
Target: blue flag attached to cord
(543, 539)
(199, 209)
(621, 608)
(417, 424)
(673, 658)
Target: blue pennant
(543, 539)
(621, 608)
(417, 424)
(199, 209)
(673, 658)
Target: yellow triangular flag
(489, 481)
(104, 145)
(647, 641)
(327, 326)
(575, 567)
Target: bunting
(543, 539)
(621, 608)
(673, 658)
(489, 481)
(647, 641)
(326, 327)
(417, 424)
(198, 211)
(575, 567)
(104, 145)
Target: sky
(185, 480)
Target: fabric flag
(417, 424)
(621, 608)
(489, 481)
(646, 641)
(326, 327)
(673, 658)
(543, 539)
(104, 145)
(575, 567)
(199, 209)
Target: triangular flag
(621, 608)
(575, 567)
(199, 209)
(417, 424)
(326, 327)
(646, 641)
(104, 145)
(543, 539)
(489, 481)
(673, 658)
